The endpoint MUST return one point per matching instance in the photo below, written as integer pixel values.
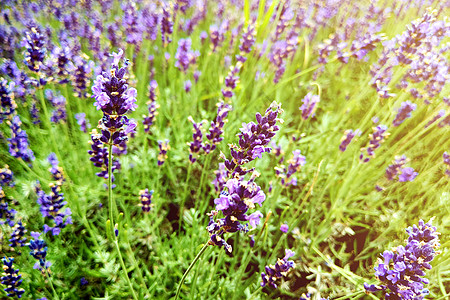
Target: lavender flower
(52, 207)
(18, 143)
(115, 99)
(152, 107)
(11, 278)
(81, 71)
(35, 50)
(446, 158)
(99, 156)
(6, 177)
(253, 140)
(393, 170)
(309, 105)
(38, 249)
(197, 144)
(163, 148)
(439, 115)
(240, 196)
(378, 136)
(295, 163)
(284, 228)
(187, 86)
(81, 120)
(5, 212)
(216, 36)
(166, 25)
(347, 138)
(61, 57)
(407, 174)
(247, 42)
(185, 56)
(221, 177)
(216, 130)
(401, 270)
(146, 199)
(231, 80)
(55, 170)
(59, 102)
(17, 236)
(7, 104)
(275, 272)
(404, 112)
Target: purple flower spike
(152, 106)
(404, 112)
(295, 163)
(378, 137)
(11, 278)
(18, 143)
(253, 139)
(185, 56)
(347, 138)
(309, 105)
(146, 200)
(274, 273)
(163, 148)
(407, 174)
(284, 228)
(446, 158)
(197, 144)
(234, 203)
(81, 120)
(6, 177)
(401, 270)
(216, 130)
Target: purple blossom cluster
(234, 203)
(35, 51)
(163, 148)
(185, 56)
(294, 165)
(152, 106)
(38, 249)
(253, 140)
(446, 158)
(402, 270)
(18, 143)
(59, 103)
(7, 104)
(11, 278)
(397, 170)
(52, 208)
(82, 121)
(146, 200)
(81, 73)
(274, 273)
(115, 99)
(18, 238)
(99, 156)
(404, 112)
(309, 105)
(7, 214)
(347, 138)
(378, 136)
(6, 177)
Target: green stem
(190, 268)
(124, 268)
(51, 285)
(111, 208)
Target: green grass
(338, 222)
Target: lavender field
(198, 149)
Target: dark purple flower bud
(163, 148)
(6, 177)
(216, 130)
(18, 238)
(35, 49)
(185, 56)
(146, 200)
(18, 143)
(309, 105)
(347, 138)
(81, 120)
(378, 137)
(7, 104)
(197, 144)
(99, 156)
(11, 278)
(166, 25)
(273, 273)
(38, 249)
(404, 112)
